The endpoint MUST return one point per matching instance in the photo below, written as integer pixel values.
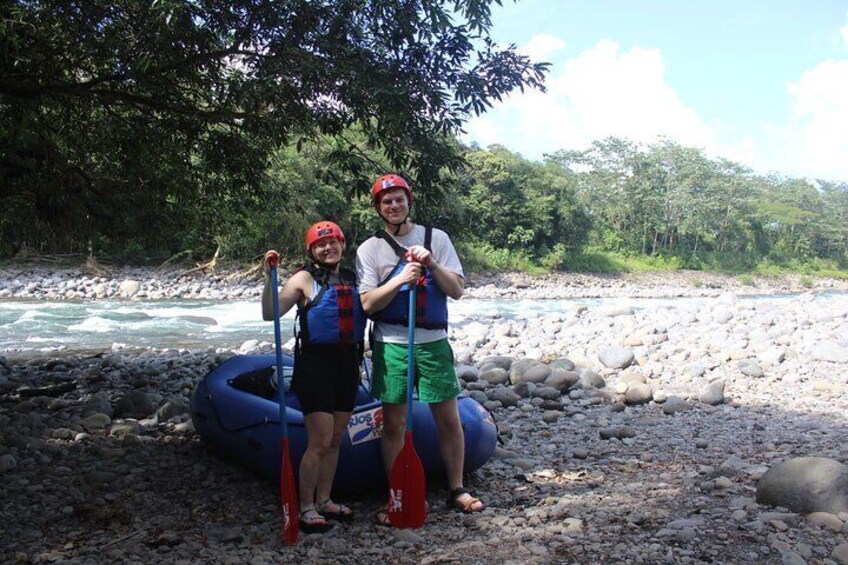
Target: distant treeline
(569, 211)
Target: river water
(45, 326)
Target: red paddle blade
(288, 497)
(407, 488)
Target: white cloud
(602, 92)
(542, 46)
(815, 141)
(844, 33)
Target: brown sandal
(466, 507)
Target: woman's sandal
(312, 522)
(468, 505)
(333, 511)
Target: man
(386, 264)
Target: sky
(763, 83)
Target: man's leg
(452, 446)
(394, 426)
(451, 439)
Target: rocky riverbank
(631, 435)
(30, 282)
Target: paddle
(406, 483)
(288, 486)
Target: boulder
(805, 485)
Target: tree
(116, 114)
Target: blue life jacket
(334, 316)
(431, 304)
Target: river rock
(830, 350)
(519, 368)
(134, 404)
(536, 374)
(750, 368)
(613, 310)
(171, 408)
(616, 357)
(562, 380)
(129, 287)
(675, 404)
(494, 375)
(506, 396)
(501, 361)
(591, 379)
(561, 364)
(806, 484)
(638, 393)
(468, 373)
(713, 393)
(7, 462)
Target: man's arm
(379, 297)
(448, 281)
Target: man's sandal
(332, 511)
(312, 522)
(382, 519)
(467, 505)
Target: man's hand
(410, 273)
(419, 254)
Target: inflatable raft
(244, 426)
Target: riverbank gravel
(631, 435)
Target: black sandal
(342, 513)
(312, 522)
(466, 507)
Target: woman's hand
(271, 259)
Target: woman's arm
(296, 289)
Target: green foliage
(155, 121)
(696, 282)
(484, 257)
(746, 280)
(595, 262)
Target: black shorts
(326, 379)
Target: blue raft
(245, 427)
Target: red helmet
(388, 182)
(323, 230)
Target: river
(47, 326)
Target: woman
(326, 370)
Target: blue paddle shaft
(410, 354)
(278, 347)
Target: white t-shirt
(375, 260)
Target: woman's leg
(319, 435)
(330, 461)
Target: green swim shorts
(435, 376)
